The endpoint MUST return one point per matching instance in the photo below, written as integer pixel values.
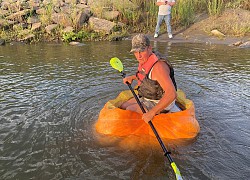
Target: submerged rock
(2, 42)
(74, 43)
(236, 43)
(245, 45)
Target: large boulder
(62, 19)
(101, 25)
(80, 16)
(110, 15)
(50, 28)
(18, 16)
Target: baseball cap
(139, 43)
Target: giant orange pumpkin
(119, 123)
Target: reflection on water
(50, 97)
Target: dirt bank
(234, 24)
(196, 36)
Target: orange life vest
(149, 88)
(144, 69)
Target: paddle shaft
(116, 64)
(166, 152)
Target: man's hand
(148, 116)
(129, 79)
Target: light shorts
(151, 103)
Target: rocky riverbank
(34, 20)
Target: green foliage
(69, 36)
(117, 28)
(45, 18)
(200, 6)
(72, 36)
(183, 12)
(215, 7)
(141, 19)
(94, 36)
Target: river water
(51, 94)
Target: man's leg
(135, 108)
(167, 19)
(157, 28)
(128, 103)
(132, 105)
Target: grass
(233, 24)
(183, 12)
(215, 7)
(45, 18)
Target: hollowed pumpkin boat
(118, 122)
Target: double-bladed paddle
(117, 64)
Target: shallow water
(50, 97)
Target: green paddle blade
(116, 64)
(176, 171)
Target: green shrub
(215, 7)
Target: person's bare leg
(132, 105)
(135, 108)
(128, 103)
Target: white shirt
(165, 9)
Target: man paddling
(156, 83)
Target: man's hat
(139, 43)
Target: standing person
(164, 13)
(155, 76)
